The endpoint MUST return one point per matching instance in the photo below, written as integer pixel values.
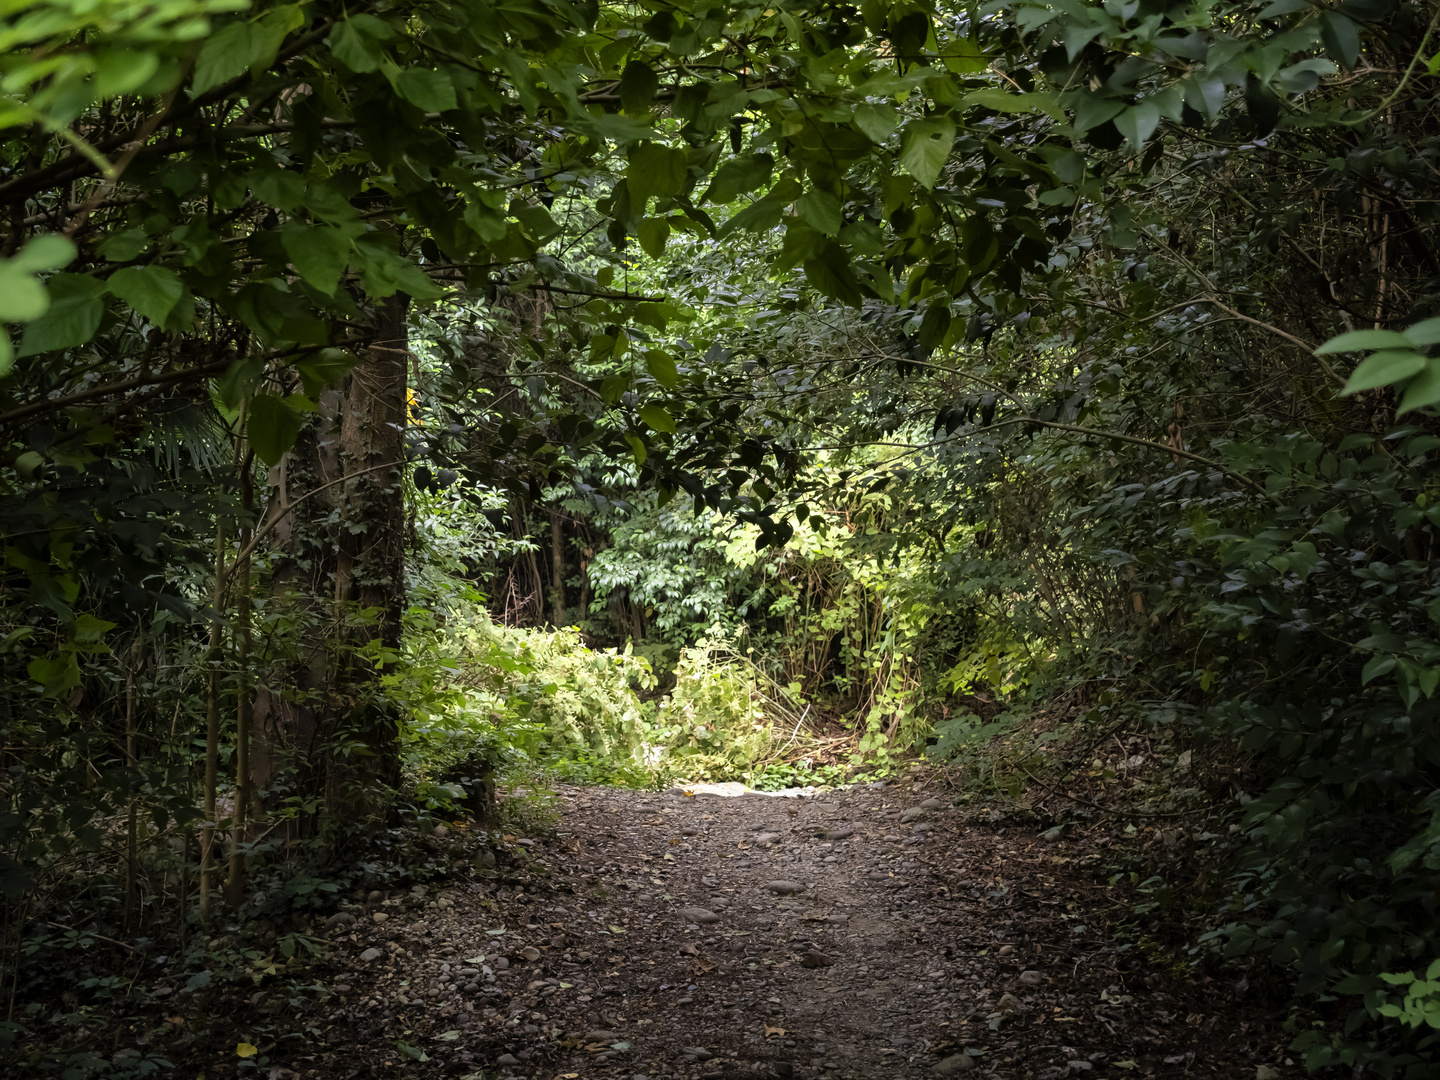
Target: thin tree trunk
(132, 824)
(244, 704)
(212, 727)
(557, 570)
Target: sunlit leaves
(657, 417)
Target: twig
(1097, 806)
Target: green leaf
(384, 273)
(964, 56)
(925, 148)
(878, 122)
(821, 211)
(153, 291)
(1092, 110)
(739, 176)
(319, 253)
(1138, 123)
(652, 234)
(1359, 340)
(426, 89)
(272, 425)
(357, 50)
(1423, 390)
(1341, 37)
(1424, 333)
(637, 447)
(1375, 667)
(325, 368)
(122, 72)
(72, 318)
(662, 368)
(831, 276)
(1383, 369)
(55, 674)
(224, 56)
(22, 297)
(656, 417)
(638, 85)
(655, 169)
(998, 100)
(48, 252)
(240, 380)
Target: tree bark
(557, 569)
(321, 727)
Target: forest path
(655, 935)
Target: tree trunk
(557, 570)
(321, 727)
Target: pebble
(371, 955)
(699, 915)
(839, 834)
(933, 804)
(1031, 978)
(380, 917)
(506, 1059)
(765, 839)
(530, 952)
(697, 1053)
(892, 839)
(785, 888)
(501, 964)
(815, 959)
(1052, 835)
(915, 813)
(600, 1035)
(340, 918)
(1009, 1003)
(953, 1065)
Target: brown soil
(904, 949)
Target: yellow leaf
(245, 1050)
(618, 929)
(773, 1031)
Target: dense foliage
(907, 366)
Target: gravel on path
(868, 932)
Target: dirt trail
(915, 946)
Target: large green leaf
(73, 317)
(153, 291)
(661, 366)
(658, 418)
(426, 89)
(1364, 340)
(655, 169)
(319, 253)
(1385, 368)
(738, 176)
(925, 148)
(638, 84)
(272, 425)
